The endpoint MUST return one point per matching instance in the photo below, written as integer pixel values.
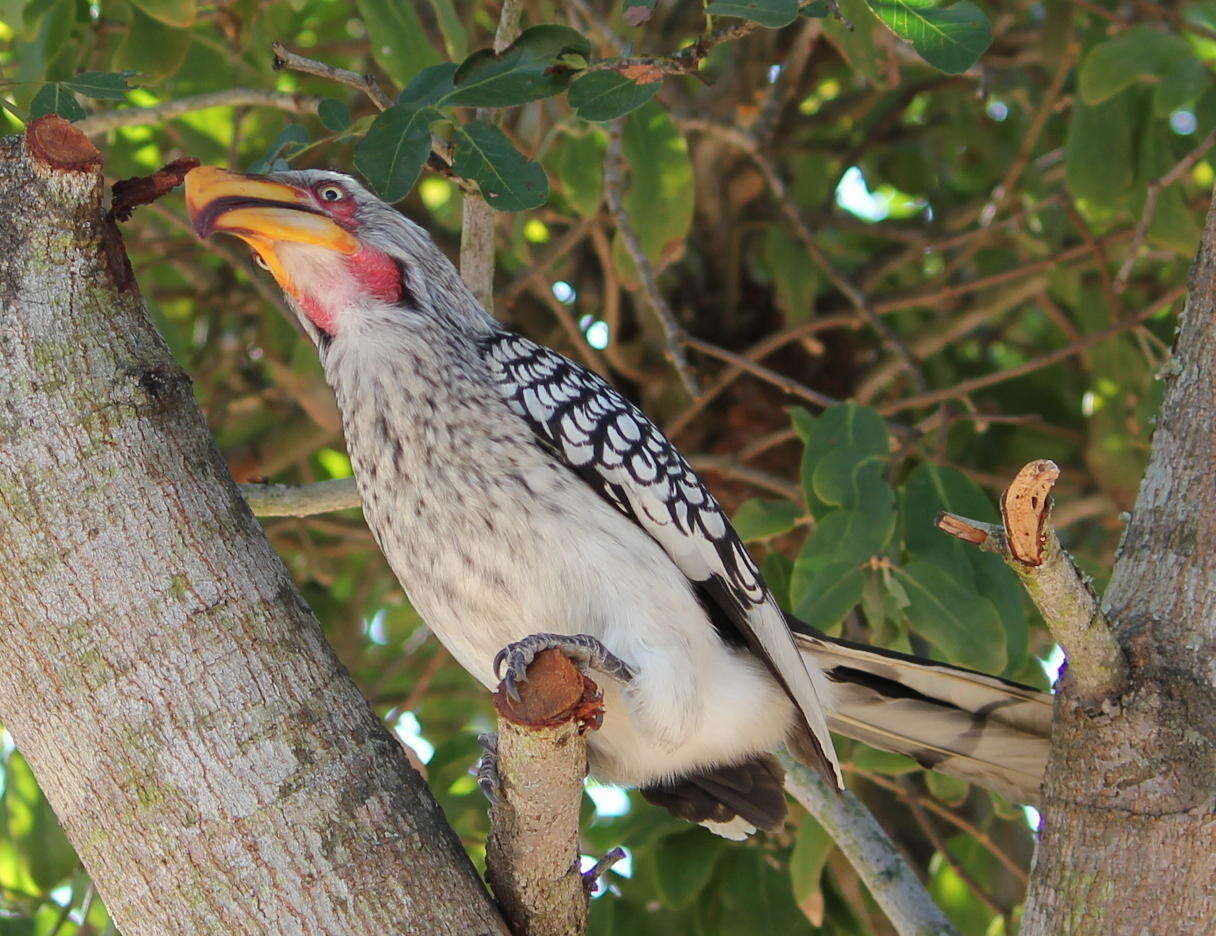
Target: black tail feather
(753, 791)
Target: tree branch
(1097, 668)
(301, 500)
(532, 855)
(96, 124)
(477, 217)
(890, 879)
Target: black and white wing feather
(620, 454)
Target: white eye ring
(330, 193)
(260, 261)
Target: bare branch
(96, 124)
(292, 61)
(614, 183)
(889, 877)
(532, 854)
(301, 500)
(1065, 598)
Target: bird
(525, 504)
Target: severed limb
(533, 775)
(1097, 667)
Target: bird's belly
(485, 574)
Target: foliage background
(831, 218)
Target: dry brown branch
(293, 61)
(1097, 668)
(301, 500)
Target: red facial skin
(375, 273)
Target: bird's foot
(487, 768)
(591, 877)
(583, 649)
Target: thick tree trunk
(213, 764)
(1129, 834)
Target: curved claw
(499, 657)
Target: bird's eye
(260, 260)
(330, 193)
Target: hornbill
(525, 504)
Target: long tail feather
(981, 728)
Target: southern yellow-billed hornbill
(524, 503)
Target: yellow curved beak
(261, 212)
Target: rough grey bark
(214, 765)
(1128, 842)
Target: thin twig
(99, 123)
(786, 384)
(674, 335)
(559, 249)
(293, 61)
(1148, 213)
(729, 468)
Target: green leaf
(607, 95)
(852, 536)
(578, 163)
(111, 86)
(334, 115)
(777, 571)
(1099, 153)
(56, 98)
(150, 48)
(796, 281)
(659, 201)
(398, 42)
(526, 70)
(930, 489)
(759, 519)
(180, 14)
(857, 44)
(964, 626)
(950, 790)
(1118, 63)
(429, 85)
(823, 594)
(807, 860)
(396, 146)
(857, 428)
(1182, 86)
(455, 36)
(771, 13)
(684, 864)
(949, 38)
(508, 180)
(33, 828)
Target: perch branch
(532, 854)
(1097, 668)
(890, 879)
(300, 500)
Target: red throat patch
(375, 274)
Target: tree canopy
(859, 264)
